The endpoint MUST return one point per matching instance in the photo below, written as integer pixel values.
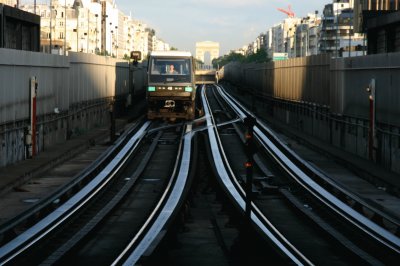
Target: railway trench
(208, 230)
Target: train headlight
(188, 89)
(151, 88)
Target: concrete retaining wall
(74, 95)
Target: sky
(232, 23)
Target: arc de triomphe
(208, 46)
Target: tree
(199, 63)
(259, 57)
(231, 57)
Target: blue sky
(232, 23)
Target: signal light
(188, 89)
(136, 55)
(248, 165)
(151, 89)
(248, 136)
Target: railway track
(137, 202)
(292, 187)
(131, 192)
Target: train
(171, 87)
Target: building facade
(12, 3)
(90, 26)
(337, 35)
(380, 21)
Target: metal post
(249, 121)
(51, 16)
(33, 91)
(111, 42)
(307, 39)
(130, 83)
(112, 120)
(87, 35)
(295, 40)
(116, 40)
(111, 32)
(372, 111)
(336, 31)
(301, 40)
(96, 48)
(349, 41)
(65, 27)
(77, 29)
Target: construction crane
(288, 12)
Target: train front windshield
(167, 70)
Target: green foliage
(199, 62)
(173, 48)
(223, 60)
(259, 57)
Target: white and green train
(171, 88)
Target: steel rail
(44, 227)
(156, 224)
(75, 184)
(236, 193)
(295, 166)
(109, 206)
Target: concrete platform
(27, 182)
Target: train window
(162, 68)
(168, 66)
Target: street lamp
(295, 40)
(51, 16)
(86, 34)
(111, 32)
(88, 30)
(77, 41)
(103, 34)
(97, 48)
(111, 42)
(337, 29)
(116, 40)
(77, 27)
(350, 40)
(65, 27)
